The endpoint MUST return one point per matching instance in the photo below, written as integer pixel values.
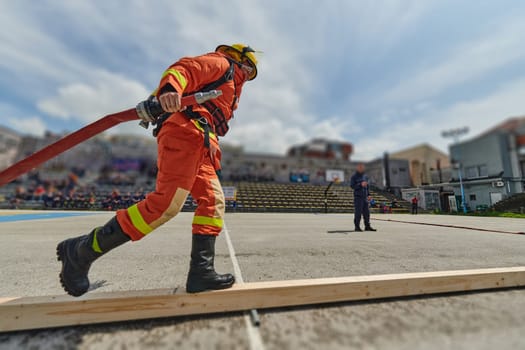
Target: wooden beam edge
(55, 311)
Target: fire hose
(149, 108)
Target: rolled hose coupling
(149, 110)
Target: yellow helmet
(242, 54)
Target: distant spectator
(92, 200)
(48, 197)
(72, 181)
(58, 200)
(138, 196)
(126, 200)
(414, 205)
(39, 192)
(20, 193)
(372, 202)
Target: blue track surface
(39, 216)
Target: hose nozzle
(201, 97)
(150, 109)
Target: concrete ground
(279, 247)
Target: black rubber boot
(369, 228)
(202, 275)
(77, 254)
(358, 229)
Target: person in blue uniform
(359, 183)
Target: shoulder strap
(220, 124)
(228, 75)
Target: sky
(383, 75)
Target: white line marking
(253, 332)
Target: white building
(492, 164)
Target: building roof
(509, 125)
(423, 147)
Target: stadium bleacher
(250, 197)
(292, 197)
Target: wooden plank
(55, 311)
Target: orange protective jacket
(190, 74)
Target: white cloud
(82, 91)
(376, 26)
(103, 57)
(467, 63)
(478, 114)
(270, 136)
(28, 126)
(484, 112)
(88, 101)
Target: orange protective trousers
(185, 166)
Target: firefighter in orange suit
(188, 158)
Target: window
(472, 172)
(483, 170)
(472, 197)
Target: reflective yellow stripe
(177, 75)
(95, 245)
(198, 126)
(138, 221)
(204, 220)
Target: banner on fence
(335, 175)
(230, 193)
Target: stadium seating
(250, 197)
(277, 197)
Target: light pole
(455, 134)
